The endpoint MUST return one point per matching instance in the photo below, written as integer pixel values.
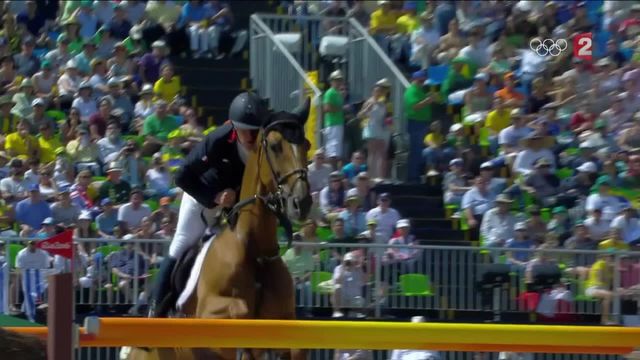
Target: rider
(213, 168)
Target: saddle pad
(195, 274)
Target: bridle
(275, 201)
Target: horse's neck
(256, 223)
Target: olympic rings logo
(548, 46)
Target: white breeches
(202, 39)
(190, 226)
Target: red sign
(60, 244)
(583, 46)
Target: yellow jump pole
(189, 333)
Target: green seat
(580, 291)
(98, 178)
(153, 204)
(415, 285)
(324, 255)
(106, 250)
(152, 275)
(324, 234)
(317, 278)
(483, 137)
(564, 173)
(12, 252)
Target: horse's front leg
(278, 300)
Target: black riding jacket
(212, 166)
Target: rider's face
(248, 139)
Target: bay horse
(242, 275)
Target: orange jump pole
(190, 333)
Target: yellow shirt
(498, 120)
(599, 270)
(16, 145)
(48, 148)
(380, 19)
(435, 138)
(167, 90)
(610, 244)
(408, 23)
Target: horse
(243, 275)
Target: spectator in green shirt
(156, 128)
(332, 105)
(417, 106)
(114, 188)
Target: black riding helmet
(248, 111)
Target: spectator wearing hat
(510, 138)
(151, 63)
(64, 211)
(627, 222)
(114, 187)
(38, 116)
(68, 84)
(520, 240)
(363, 187)
(424, 42)
(119, 24)
(455, 183)
(26, 62)
(533, 150)
(334, 121)
(402, 255)
(560, 225)
(44, 81)
(417, 107)
(477, 100)
(581, 240)
(31, 212)
(85, 101)
(456, 80)
(348, 283)
(83, 59)
(21, 143)
(579, 185)
(354, 218)
(156, 128)
(121, 101)
(145, 106)
(72, 30)
(333, 195)
(98, 77)
(107, 220)
(158, 178)
(8, 121)
(130, 215)
(542, 184)
(385, 216)
(602, 199)
(477, 201)
(87, 19)
(168, 85)
(498, 223)
(83, 152)
(318, 172)
(509, 94)
(377, 120)
(164, 212)
(23, 99)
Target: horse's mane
(16, 346)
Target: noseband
(275, 201)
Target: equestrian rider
(215, 166)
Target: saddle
(216, 220)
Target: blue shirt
(354, 224)
(521, 255)
(32, 214)
(88, 24)
(191, 13)
(106, 223)
(350, 171)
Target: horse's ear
(302, 112)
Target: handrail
(287, 55)
(394, 69)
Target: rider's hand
(226, 198)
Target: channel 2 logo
(582, 46)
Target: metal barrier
(447, 282)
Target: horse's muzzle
(299, 208)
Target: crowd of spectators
(93, 125)
(534, 151)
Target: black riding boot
(162, 288)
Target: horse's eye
(276, 148)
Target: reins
(275, 201)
